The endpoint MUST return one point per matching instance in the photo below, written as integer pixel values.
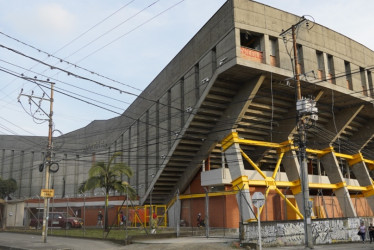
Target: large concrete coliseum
(234, 79)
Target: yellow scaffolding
(295, 186)
(142, 215)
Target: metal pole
(259, 228)
(38, 211)
(151, 212)
(241, 233)
(207, 212)
(84, 215)
(127, 212)
(302, 152)
(67, 209)
(48, 163)
(177, 210)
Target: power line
(94, 26)
(107, 32)
(67, 62)
(140, 25)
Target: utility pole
(48, 163)
(306, 113)
(46, 193)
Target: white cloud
(54, 17)
(45, 21)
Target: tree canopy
(7, 187)
(108, 177)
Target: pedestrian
(154, 223)
(122, 218)
(100, 219)
(362, 231)
(371, 232)
(200, 221)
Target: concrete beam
(342, 120)
(363, 136)
(285, 130)
(227, 122)
(331, 167)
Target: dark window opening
(300, 60)
(330, 69)
(363, 81)
(370, 82)
(320, 65)
(274, 51)
(250, 40)
(251, 46)
(348, 75)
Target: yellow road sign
(47, 193)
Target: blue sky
(129, 48)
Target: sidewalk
(340, 246)
(29, 241)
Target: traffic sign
(258, 199)
(47, 193)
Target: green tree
(107, 176)
(7, 187)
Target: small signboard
(258, 199)
(47, 193)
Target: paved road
(28, 241)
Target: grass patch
(116, 234)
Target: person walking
(122, 218)
(100, 219)
(362, 231)
(200, 220)
(371, 232)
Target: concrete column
(366, 82)
(363, 177)
(325, 65)
(331, 166)
(267, 49)
(236, 167)
(292, 167)
(234, 161)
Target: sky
(120, 46)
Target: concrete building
(234, 78)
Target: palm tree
(107, 176)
